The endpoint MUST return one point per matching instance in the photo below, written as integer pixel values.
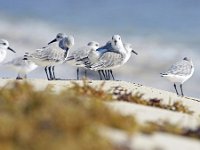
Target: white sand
(142, 113)
(157, 141)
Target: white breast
(2, 55)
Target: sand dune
(142, 113)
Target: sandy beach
(142, 113)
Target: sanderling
(180, 72)
(53, 54)
(4, 46)
(129, 49)
(76, 58)
(114, 54)
(21, 66)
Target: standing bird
(179, 73)
(4, 46)
(53, 54)
(129, 49)
(21, 66)
(112, 55)
(77, 57)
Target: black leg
(181, 86)
(85, 73)
(77, 73)
(176, 89)
(107, 74)
(53, 72)
(100, 76)
(18, 77)
(111, 72)
(46, 71)
(104, 75)
(50, 73)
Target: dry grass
(38, 120)
(122, 94)
(93, 92)
(167, 127)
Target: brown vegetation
(122, 94)
(38, 120)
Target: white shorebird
(179, 73)
(113, 55)
(4, 46)
(53, 54)
(21, 66)
(121, 61)
(77, 56)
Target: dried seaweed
(167, 127)
(97, 93)
(71, 119)
(122, 94)
(38, 120)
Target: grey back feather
(181, 68)
(107, 60)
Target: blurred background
(161, 31)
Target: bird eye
(96, 44)
(4, 43)
(119, 38)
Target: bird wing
(105, 48)
(80, 55)
(180, 68)
(82, 52)
(16, 62)
(50, 53)
(107, 60)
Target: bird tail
(163, 74)
(69, 58)
(81, 59)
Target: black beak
(11, 50)
(134, 52)
(52, 41)
(115, 42)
